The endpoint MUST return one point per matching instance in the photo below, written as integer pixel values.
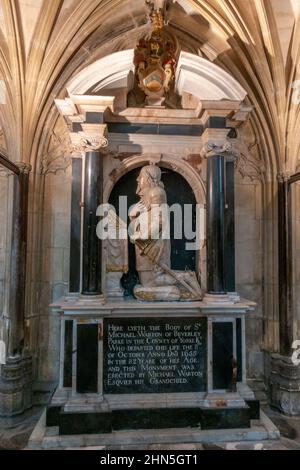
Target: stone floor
(14, 434)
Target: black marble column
(215, 222)
(93, 189)
(230, 227)
(285, 266)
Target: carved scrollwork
(212, 148)
(90, 145)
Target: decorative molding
(90, 145)
(4, 172)
(59, 155)
(216, 83)
(247, 164)
(250, 168)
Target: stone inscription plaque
(155, 355)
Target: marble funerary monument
(143, 343)
(135, 327)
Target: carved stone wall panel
(249, 162)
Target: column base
(285, 385)
(218, 299)
(234, 296)
(87, 404)
(16, 386)
(91, 299)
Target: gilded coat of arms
(155, 62)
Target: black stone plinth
(93, 189)
(52, 415)
(225, 418)
(74, 423)
(71, 423)
(161, 418)
(215, 221)
(254, 408)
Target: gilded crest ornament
(155, 61)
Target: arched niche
(165, 161)
(194, 189)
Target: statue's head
(149, 177)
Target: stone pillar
(92, 246)
(16, 373)
(284, 381)
(18, 260)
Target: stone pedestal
(132, 365)
(285, 385)
(15, 386)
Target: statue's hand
(136, 210)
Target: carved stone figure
(149, 233)
(116, 247)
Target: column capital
(211, 149)
(215, 142)
(91, 139)
(25, 168)
(284, 176)
(85, 119)
(90, 144)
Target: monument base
(152, 365)
(47, 437)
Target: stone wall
(249, 265)
(54, 269)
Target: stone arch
(171, 162)
(116, 69)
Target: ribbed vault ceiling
(43, 44)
